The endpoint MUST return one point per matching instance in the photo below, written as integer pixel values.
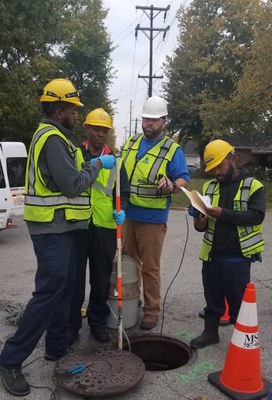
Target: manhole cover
(161, 353)
(108, 372)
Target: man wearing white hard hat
(156, 167)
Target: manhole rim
(192, 353)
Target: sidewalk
(185, 299)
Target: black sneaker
(14, 381)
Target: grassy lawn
(180, 200)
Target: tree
(253, 97)
(45, 40)
(207, 71)
(27, 29)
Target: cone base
(214, 379)
(224, 322)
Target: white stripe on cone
(248, 341)
(248, 314)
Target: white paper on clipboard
(197, 200)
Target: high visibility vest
(40, 202)
(102, 199)
(250, 237)
(144, 174)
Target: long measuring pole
(119, 258)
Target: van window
(2, 178)
(16, 168)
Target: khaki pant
(143, 242)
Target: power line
(154, 11)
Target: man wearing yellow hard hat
(98, 244)
(57, 204)
(232, 236)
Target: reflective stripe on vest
(106, 189)
(250, 237)
(31, 171)
(55, 201)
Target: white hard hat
(155, 107)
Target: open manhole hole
(161, 353)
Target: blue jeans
(48, 309)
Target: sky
(131, 57)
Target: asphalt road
(184, 301)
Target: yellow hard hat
(60, 90)
(215, 152)
(98, 117)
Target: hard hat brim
(97, 124)
(153, 116)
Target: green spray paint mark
(187, 335)
(197, 371)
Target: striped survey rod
(119, 258)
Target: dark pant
(225, 277)
(47, 309)
(78, 296)
(101, 248)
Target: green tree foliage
(253, 97)
(45, 40)
(219, 50)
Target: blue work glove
(108, 161)
(119, 217)
(193, 212)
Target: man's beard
(151, 135)
(228, 177)
(68, 125)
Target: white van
(13, 158)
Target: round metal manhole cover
(162, 353)
(108, 372)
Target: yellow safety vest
(250, 237)
(144, 174)
(102, 199)
(40, 202)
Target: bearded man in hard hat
(98, 244)
(57, 203)
(232, 238)
(156, 168)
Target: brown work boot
(149, 322)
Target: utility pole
(154, 11)
(130, 116)
(136, 125)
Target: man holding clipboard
(232, 236)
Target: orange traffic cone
(241, 377)
(224, 320)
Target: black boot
(209, 335)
